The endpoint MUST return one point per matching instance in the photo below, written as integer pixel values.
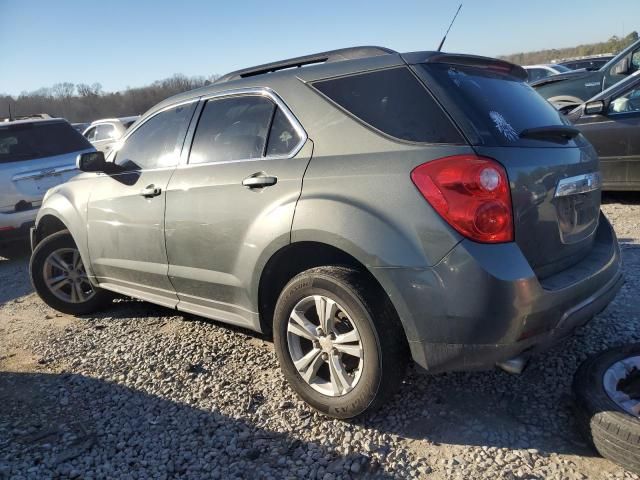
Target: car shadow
(624, 198)
(14, 270)
(53, 424)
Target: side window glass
(626, 103)
(233, 128)
(157, 142)
(283, 138)
(394, 102)
(105, 132)
(91, 134)
(534, 74)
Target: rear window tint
(495, 107)
(394, 102)
(29, 141)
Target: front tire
(59, 277)
(339, 342)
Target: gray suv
(363, 206)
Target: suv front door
(126, 209)
(627, 65)
(232, 205)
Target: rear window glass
(394, 102)
(29, 141)
(492, 108)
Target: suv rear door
(125, 211)
(232, 205)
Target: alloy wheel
(325, 345)
(65, 276)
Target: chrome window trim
(248, 92)
(585, 183)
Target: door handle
(259, 180)
(151, 191)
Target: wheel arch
(295, 258)
(59, 213)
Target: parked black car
(588, 63)
(574, 88)
(611, 122)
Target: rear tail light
(471, 193)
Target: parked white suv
(35, 155)
(104, 133)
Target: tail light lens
(471, 193)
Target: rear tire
(58, 276)
(366, 362)
(614, 432)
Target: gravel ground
(139, 392)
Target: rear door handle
(259, 180)
(151, 191)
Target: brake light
(471, 193)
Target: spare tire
(607, 389)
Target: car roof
(317, 66)
(131, 118)
(33, 120)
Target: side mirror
(91, 162)
(594, 108)
(622, 67)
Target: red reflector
(3, 229)
(471, 193)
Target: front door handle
(151, 191)
(259, 180)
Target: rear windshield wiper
(552, 132)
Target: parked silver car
(35, 155)
(537, 72)
(104, 133)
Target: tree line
(85, 103)
(613, 45)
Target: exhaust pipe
(514, 366)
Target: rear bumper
(16, 225)
(482, 304)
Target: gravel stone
(142, 393)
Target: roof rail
(323, 57)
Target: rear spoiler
(486, 63)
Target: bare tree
(84, 103)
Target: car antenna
(10, 115)
(450, 25)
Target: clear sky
(132, 43)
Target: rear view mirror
(594, 108)
(91, 162)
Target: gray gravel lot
(139, 392)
